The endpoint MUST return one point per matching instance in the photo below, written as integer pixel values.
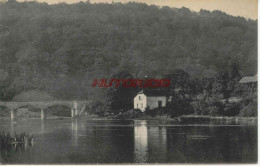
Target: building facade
(149, 100)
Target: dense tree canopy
(61, 48)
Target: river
(72, 141)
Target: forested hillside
(61, 48)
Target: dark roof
(248, 79)
(153, 93)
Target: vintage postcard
(128, 82)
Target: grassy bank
(217, 119)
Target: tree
(195, 86)
(121, 98)
(179, 106)
(222, 85)
(179, 79)
(44, 47)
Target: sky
(244, 8)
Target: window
(137, 105)
(139, 97)
(142, 105)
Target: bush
(249, 106)
(213, 110)
(207, 107)
(199, 107)
(249, 111)
(156, 112)
(230, 110)
(131, 114)
(99, 108)
(179, 106)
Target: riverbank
(185, 119)
(230, 120)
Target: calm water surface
(134, 141)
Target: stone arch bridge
(77, 107)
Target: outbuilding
(250, 82)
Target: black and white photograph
(112, 82)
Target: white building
(149, 100)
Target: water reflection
(43, 126)
(12, 127)
(141, 141)
(78, 141)
(157, 143)
(74, 132)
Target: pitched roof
(248, 79)
(152, 93)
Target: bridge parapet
(75, 106)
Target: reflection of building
(140, 134)
(152, 137)
(149, 100)
(158, 142)
(250, 82)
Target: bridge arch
(6, 106)
(25, 104)
(5, 110)
(17, 109)
(62, 110)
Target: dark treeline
(61, 48)
(218, 95)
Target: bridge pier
(76, 112)
(13, 114)
(72, 112)
(43, 116)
